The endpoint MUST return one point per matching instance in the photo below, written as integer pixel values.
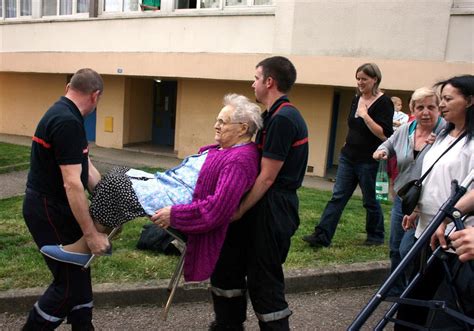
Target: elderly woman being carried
(198, 197)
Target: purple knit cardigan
(225, 177)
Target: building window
(65, 7)
(198, 4)
(184, 4)
(16, 8)
(121, 5)
(210, 3)
(263, 2)
(230, 3)
(462, 7)
(463, 4)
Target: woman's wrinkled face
(365, 84)
(453, 104)
(228, 133)
(426, 111)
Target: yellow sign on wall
(109, 124)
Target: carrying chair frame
(178, 271)
(446, 210)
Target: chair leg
(173, 284)
(110, 236)
(177, 272)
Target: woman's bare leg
(80, 246)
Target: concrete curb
(155, 293)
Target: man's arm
(464, 205)
(463, 243)
(71, 173)
(269, 169)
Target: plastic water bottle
(381, 182)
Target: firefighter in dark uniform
(55, 207)
(257, 243)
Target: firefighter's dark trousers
(69, 296)
(251, 260)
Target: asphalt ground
(317, 310)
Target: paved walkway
(318, 310)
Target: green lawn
(13, 157)
(21, 265)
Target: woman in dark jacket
(370, 123)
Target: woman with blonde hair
(409, 145)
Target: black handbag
(410, 194)
(411, 191)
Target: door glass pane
(82, 6)
(65, 7)
(263, 2)
(10, 8)
(113, 5)
(235, 2)
(25, 8)
(210, 3)
(50, 7)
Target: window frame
(102, 4)
(223, 6)
(198, 6)
(18, 16)
(58, 10)
(248, 3)
(167, 7)
(462, 7)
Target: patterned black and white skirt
(113, 201)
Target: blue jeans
(349, 174)
(400, 244)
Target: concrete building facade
(166, 70)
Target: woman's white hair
(244, 111)
(420, 94)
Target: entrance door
(90, 124)
(332, 134)
(164, 112)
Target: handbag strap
(419, 181)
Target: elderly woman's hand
(380, 155)
(162, 217)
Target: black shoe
(370, 242)
(314, 240)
